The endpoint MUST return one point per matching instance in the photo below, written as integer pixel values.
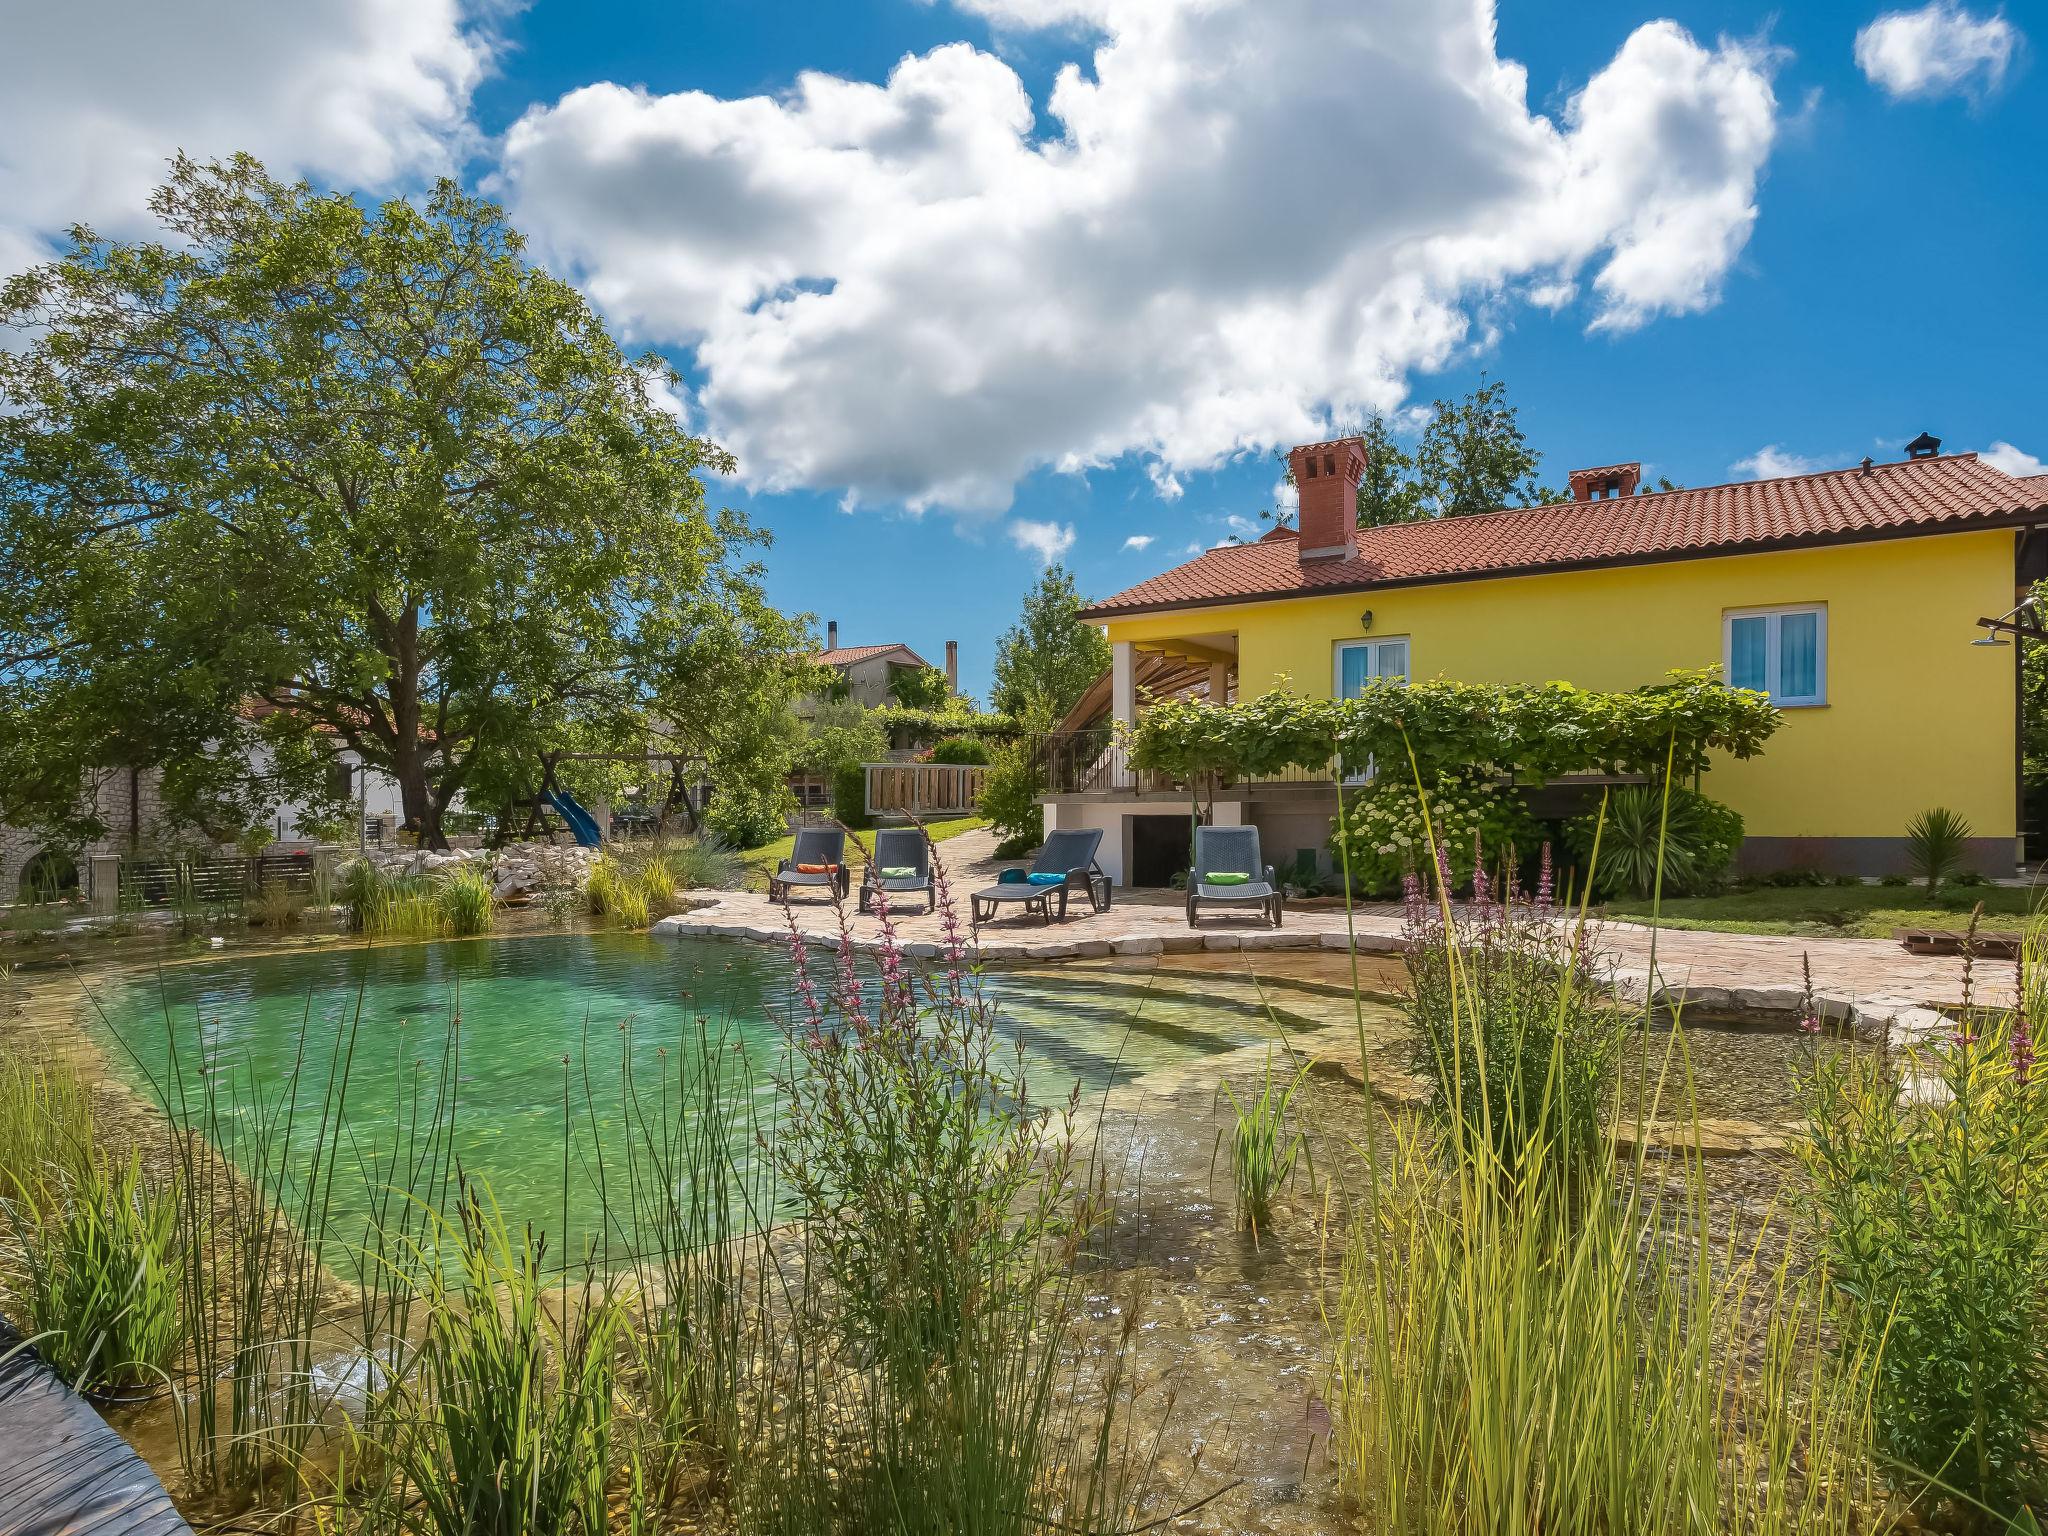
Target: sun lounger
(1066, 863)
(817, 859)
(1233, 854)
(899, 848)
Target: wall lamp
(1996, 629)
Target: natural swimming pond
(532, 1037)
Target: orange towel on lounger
(817, 869)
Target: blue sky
(985, 315)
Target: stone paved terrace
(1872, 983)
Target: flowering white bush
(1381, 832)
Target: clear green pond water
(544, 1026)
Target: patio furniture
(1233, 854)
(817, 858)
(899, 848)
(1066, 863)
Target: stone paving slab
(1874, 985)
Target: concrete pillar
(103, 882)
(1123, 682)
(1219, 682)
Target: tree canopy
(311, 474)
(1049, 657)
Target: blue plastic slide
(581, 822)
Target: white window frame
(1406, 642)
(1337, 659)
(1772, 660)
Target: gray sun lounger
(1232, 851)
(1068, 854)
(899, 848)
(814, 845)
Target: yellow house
(1857, 598)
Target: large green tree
(1047, 659)
(1473, 456)
(1388, 492)
(315, 473)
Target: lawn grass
(1840, 911)
(760, 862)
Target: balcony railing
(1094, 763)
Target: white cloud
(1939, 50)
(2014, 461)
(1774, 463)
(95, 98)
(925, 289)
(1164, 481)
(1049, 541)
(1138, 541)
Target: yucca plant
(1936, 842)
(1264, 1144)
(100, 1278)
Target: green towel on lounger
(900, 872)
(1221, 879)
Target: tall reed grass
(1265, 1143)
(1536, 1333)
(456, 904)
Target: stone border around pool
(1877, 1018)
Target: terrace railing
(1094, 762)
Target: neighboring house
(1853, 597)
(868, 671)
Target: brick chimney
(952, 666)
(1326, 477)
(1608, 480)
(832, 635)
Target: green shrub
(1930, 1179)
(743, 815)
(1009, 797)
(960, 749)
(1699, 841)
(101, 1278)
(1378, 834)
(850, 795)
(939, 1209)
(1937, 841)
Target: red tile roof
(1949, 494)
(847, 655)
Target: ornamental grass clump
(1929, 1176)
(511, 1431)
(1266, 1142)
(943, 1217)
(1519, 1030)
(99, 1278)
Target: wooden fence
(925, 789)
